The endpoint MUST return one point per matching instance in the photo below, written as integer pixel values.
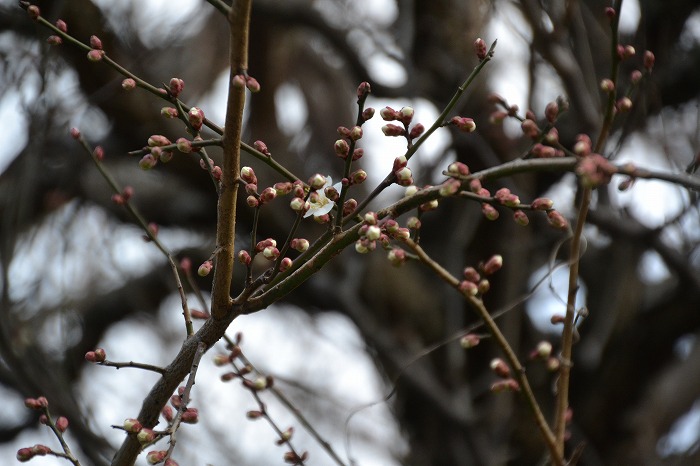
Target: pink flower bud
(635, 76)
(624, 104)
(196, 118)
(469, 340)
(177, 85)
(489, 211)
(24, 455)
(471, 274)
(508, 385)
(169, 112)
(190, 416)
(500, 368)
(128, 84)
(416, 131)
(271, 253)
(252, 84)
(342, 148)
(450, 187)
(33, 12)
(355, 133)
(248, 175)
(285, 264)
(465, 125)
(75, 133)
(530, 129)
(493, 265)
(358, 176)
(54, 40)
(252, 201)
(238, 81)
(649, 60)
(205, 268)
(146, 436)
(158, 140)
(551, 112)
(363, 89)
(317, 181)
(95, 55)
(396, 256)
(262, 147)
(606, 85)
(388, 114)
(468, 288)
(268, 195)
(505, 197)
(542, 203)
(156, 456)
(393, 130)
(405, 115)
(95, 43)
(521, 218)
(367, 113)
(62, 424)
(297, 204)
(61, 25)
(557, 220)
(475, 186)
(610, 12)
(497, 117)
(167, 413)
(132, 425)
(349, 206)
(480, 48)
(458, 168)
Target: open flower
(319, 204)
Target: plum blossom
(319, 204)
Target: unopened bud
(469, 340)
(480, 48)
(205, 268)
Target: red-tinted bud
(399, 162)
(238, 81)
(167, 413)
(95, 43)
(342, 148)
(416, 131)
(156, 456)
(300, 244)
(75, 133)
(405, 115)
(254, 414)
(458, 168)
(95, 55)
(624, 104)
(205, 268)
(358, 176)
(475, 186)
(530, 129)
(649, 60)
(54, 40)
(635, 76)
(62, 424)
(244, 257)
(268, 195)
(33, 11)
(404, 177)
(500, 367)
(169, 112)
(471, 274)
(147, 162)
(465, 125)
(262, 147)
(349, 206)
(358, 153)
(61, 25)
(388, 114)
(367, 113)
(489, 211)
(468, 288)
(610, 12)
(146, 436)
(508, 385)
(355, 133)
(505, 197)
(190, 416)
(158, 140)
(132, 425)
(557, 220)
(297, 204)
(552, 136)
(252, 84)
(196, 118)
(248, 175)
(493, 265)
(177, 85)
(469, 340)
(483, 286)
(363, 89)
(450, 187)
(24, 455)
(520, 218)
(480, 48)
(542, 203)
(393, 130)
(497, 117)
(285, 264)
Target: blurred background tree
(65, 282)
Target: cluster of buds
(543, 352)
(595, 170)
(268, 248)
(349, 137)
(57, 40)
(403, 116)
(26, 454)
(176, 86)
(243, 80)
(195, 116)
(98, 355)
(404, 176)
(507, 383)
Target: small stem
(135, 365)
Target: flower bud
(300, 244)
(470, 340)
(349, 206)
(480, 48)
(33, 12)
(95, 55)
(393, 130)
(252, 84)
(285, 264)
(388, 114)
(544, 349)
(542, 203)
(205, 268)
(342, 148)
(367, 113)
(156, 456)
(238, 81)
(317, 181)
(190, 416)
(466, 125)
(521, 218)
(24, 455)
(530, 129)
(147, 162)
(95, 43)
(177, 85)
(493, 265)
(196, 118)
(404, 176)
(146, 436)
(268, 195)
(551, 112)
(497, 117)
(500, 367)
(75, 133)
(358, 176)
(248, 175)
(405, 115)
(271, 253)
(606, 85)
(635, 76)
(557, 220)
(355, 133)
(508, 385)
(54, 40)
(413, 223)
(244, 257)
(262, 147)
(458, 168)
(624, 104)
(468, 288)
(649, 60)
(297, 204)
(158, 140)
(132, 425)
(396, 256)
(489, 211)
(169, 112)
